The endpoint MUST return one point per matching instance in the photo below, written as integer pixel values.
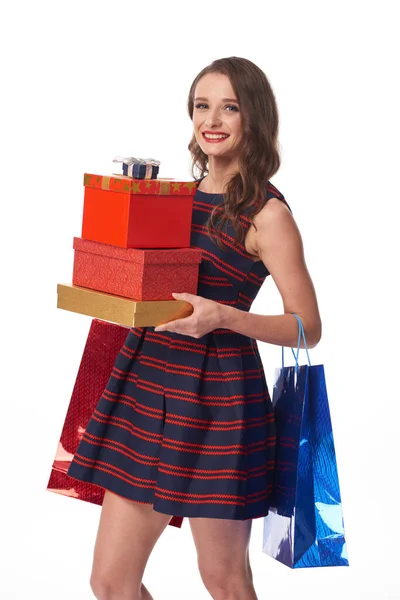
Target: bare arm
(279, 244)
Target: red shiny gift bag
(102, 346)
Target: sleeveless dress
(187, 424)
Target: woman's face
(217, 120)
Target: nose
(213, 118)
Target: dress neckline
(198, 181)
(208, 193)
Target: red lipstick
(215, 141)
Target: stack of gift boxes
(134, 251)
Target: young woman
(185, 426)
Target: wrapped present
(137, 213)
(101, 349)
(139, 168)
(117, 309)
(135, 273)
(140, 171)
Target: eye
(232, 107)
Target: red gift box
(137, 213)
(102, 346)
(134, 273)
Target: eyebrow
(223, 99)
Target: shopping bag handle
(296, 356)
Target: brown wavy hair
(259, 157)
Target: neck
(219, 173)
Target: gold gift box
(132, 313)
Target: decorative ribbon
(105, 182)
(130, 160)
(130, 164)
(165, 188)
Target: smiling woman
(185, 426)
(206, 110)
(217, 121)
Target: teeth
(213, 136)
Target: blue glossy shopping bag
(304, 527)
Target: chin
(216, 151)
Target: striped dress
(187, 424)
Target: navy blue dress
(187, 424)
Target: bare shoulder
(278, 243)
(274, 219)
(273, 206)
(277, 235)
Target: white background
(83, 81)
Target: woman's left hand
(206, 317)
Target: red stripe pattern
(187, 425)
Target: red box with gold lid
(137, 213)
(140, 274)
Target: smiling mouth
(215, 136)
